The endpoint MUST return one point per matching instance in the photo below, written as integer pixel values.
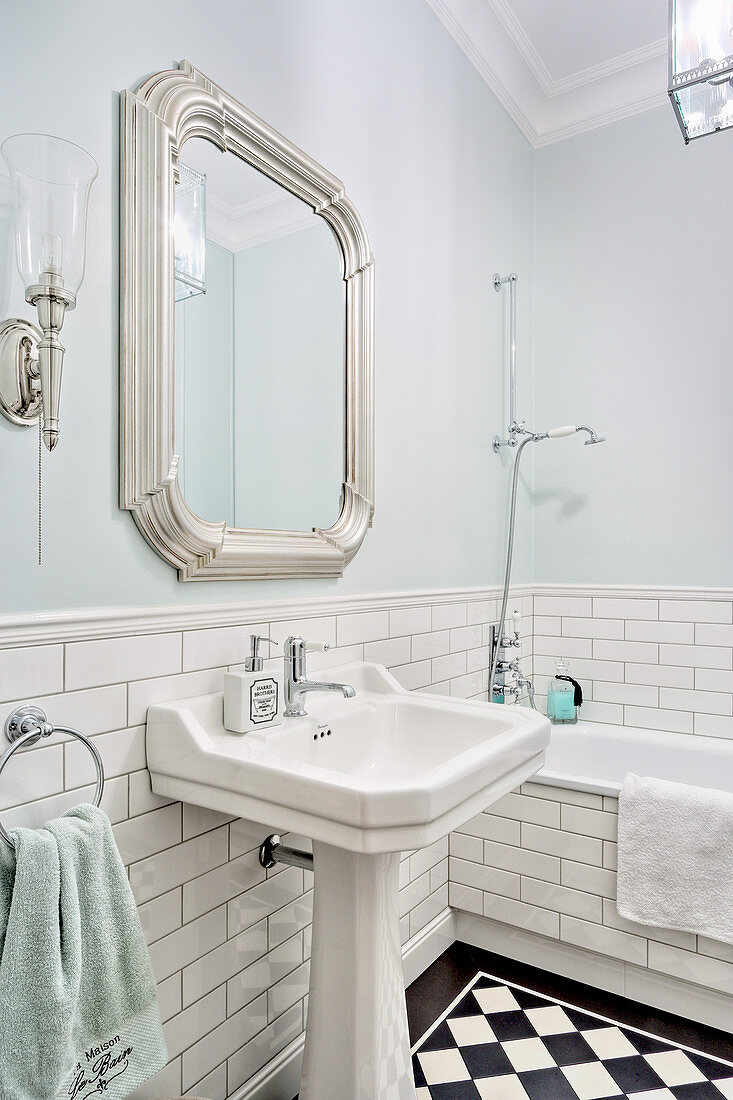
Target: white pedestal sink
(366, 778)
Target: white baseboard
(280, 1078)
(428, 945)
(693, 1002)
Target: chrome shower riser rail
(499, 281)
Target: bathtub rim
(608, 788)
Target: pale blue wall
(633, 335)
(381, 95)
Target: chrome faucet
(297, 684)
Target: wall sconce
(51, 179)
(701, 65)
(189, 233)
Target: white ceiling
(561, 67)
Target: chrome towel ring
(28, 724)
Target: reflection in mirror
(259, 350)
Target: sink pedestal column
(357, 1044)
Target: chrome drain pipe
(272, 851)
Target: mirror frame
(167, 109)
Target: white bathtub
(595, 757)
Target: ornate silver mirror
(246, 342)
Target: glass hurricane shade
(701, 65)
(189, 233)
(51, 179)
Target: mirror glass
(260, 350)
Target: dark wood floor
(441, 983)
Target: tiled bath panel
(230, 943)
(543, 861)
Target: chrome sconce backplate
(20, 384)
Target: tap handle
(516, 621)
(295, 646)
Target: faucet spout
(304, 686)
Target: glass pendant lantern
(189, 233)
(701, 65)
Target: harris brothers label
(263, 700)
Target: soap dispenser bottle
(564, 696)
(253, 699)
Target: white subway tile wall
(230, 943)
(662, 663)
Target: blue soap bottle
(561, 697)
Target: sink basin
(366, 778)
(386, 771)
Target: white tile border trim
(88, 623)
(47, 627)
(633, 591)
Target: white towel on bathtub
(675, 857)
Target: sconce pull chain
(40, 490)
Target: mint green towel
(78, 1005)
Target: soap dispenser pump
(564, 696)
(253, 698)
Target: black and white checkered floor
(499, 1041)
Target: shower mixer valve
(509, 682)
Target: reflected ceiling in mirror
(259, 339)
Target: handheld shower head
(593, 437)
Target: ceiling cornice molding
(609, 68)
(547, 110)
(521, 40)
(444, 9)
(244, 225)
(597, 121)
